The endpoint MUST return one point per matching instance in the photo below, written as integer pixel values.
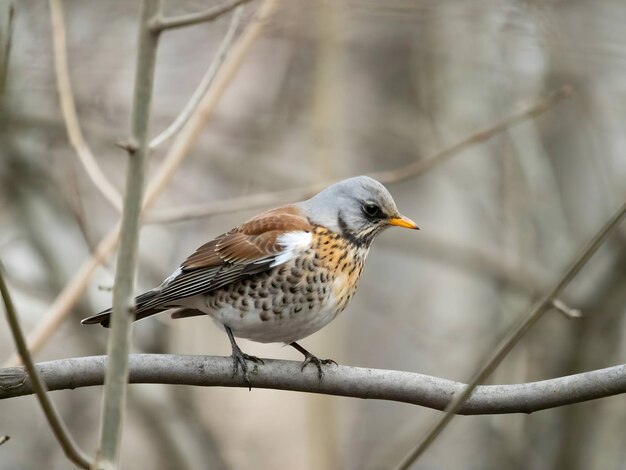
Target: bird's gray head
(359, 208)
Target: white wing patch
(294, 243)
(171, 277)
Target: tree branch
(514, 335)
(7, 11)
(190, 19)
(204, 86)
(357, 382)
(71, 449)
(68, 107)
(114, 400)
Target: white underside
(275, 330)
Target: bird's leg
(308, 357)
(239, 358)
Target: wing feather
(253, 247)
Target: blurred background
(330, 90)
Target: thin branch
(190, 19)
(7, 11)
(74, 202)
(204, 86)
(188, 135)
(513, 337)
(114, 402)
(4, 439)
(422, 166)
(71, 449)
(411, 170)
(67, 298)
(565, 309)
(68, 106)
(241, 203)
(62, 305)
(399, 386)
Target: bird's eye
(372, 210)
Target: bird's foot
(239, 359)
(311, 359)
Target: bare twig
(75, 204)
(68, 107)
(565, 309)
(513, 337)
(411, 170)
(188, 135)
(211, 14)
(204, 85)
(406, 387)
(4, 439)
(114, 401)
(70, 448)
(62, 305)
(422, 166)
(7, 10)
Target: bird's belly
(277, 328)
(284, 305)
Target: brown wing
(251, 241)
(251, 248)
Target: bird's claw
(240, 358)
(310, 358)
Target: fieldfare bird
(282, 275)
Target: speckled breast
(322, 278)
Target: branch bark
(114, 401)
(356, 382)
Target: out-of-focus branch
(114, 401)
(189, 133)
(411, 170)
(183, 142)
(210, 14)
(426, 164)
(62, 304)
(3, 439)
(7, 10)
(71, 449)
(406, 387)
(204, 86)
(513, 337)
(68, 106)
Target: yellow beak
(403, 221)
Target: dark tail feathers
(104, 317)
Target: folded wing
(269, 239)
